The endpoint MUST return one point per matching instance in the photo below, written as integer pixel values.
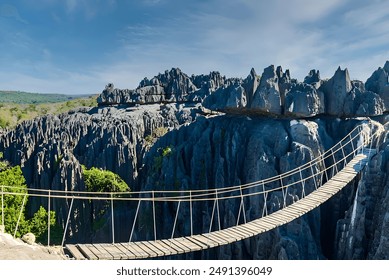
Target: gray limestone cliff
(265, 125)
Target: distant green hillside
(12, 113)
(20, 97)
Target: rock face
(379, 83)
(51, 149)
(363, 233)
(199, 150)
(277, 94)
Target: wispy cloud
(11, 11)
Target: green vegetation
(153, 137)
(12, 180)
(12, 114)
(21, 97)
(97, 180)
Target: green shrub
(97, 180)
(12, 180)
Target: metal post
(67, 222)
(48, 220)
(155, 227)
(112, 221)
(191, 213)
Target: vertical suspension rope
(344, 155)
(154, 222)
(20, 214)
(314, 177)
(302, 184)
(352, 144)
(133, 224)
(112, 221)
(264, 210)
(48, 218)
(213, 215)
(67, 222)
(175, 219)
(284, 193)
(191, 213)
(241, 207)
(218, 211)
(334, 165)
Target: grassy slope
(12, 113)
(20, 97)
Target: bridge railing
(184, 210)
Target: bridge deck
(160, 248)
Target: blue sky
(78, 46)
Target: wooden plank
(295, 208)
(254, 227)
(173, 246)
(332, 183)
(257, 225)
(282, 216)
(199, 243)
(245, 230)
(203, 238)
(237, 232)
(220, 241)
(87, 252)
(135, 250)
(116, 253)
(177, 245)
(314, 199)
(309, 204)
(224, 237)
(100, 255)
(128, 254)
(73, 250)
(292, 213)
(143, 248)
(153, 248)
(192, 246)
(104, 252)
(270, 224)
(168, 248)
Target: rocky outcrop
(199, 151)
(378, 82)
(225, 151)
(277, 94)
(51, 149)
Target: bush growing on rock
(97, 180)
(12, 180)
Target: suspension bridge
(253, 208)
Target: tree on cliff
(14, 205)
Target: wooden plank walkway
(161, 248)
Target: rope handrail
(201, 195)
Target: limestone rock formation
(205, 151)
(378, 82)
(303, 100)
